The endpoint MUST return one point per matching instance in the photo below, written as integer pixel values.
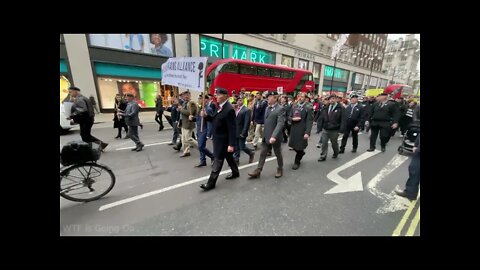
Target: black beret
(74, 88)
(354, 96)
(271, 93)
(222, 91)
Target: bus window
(229, 68)
(276, 73)
(249, 70)
(287, 74)
(210, 78)
(263, 71)
(302, 81)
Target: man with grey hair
(132, 121)
(83, 114)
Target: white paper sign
(280, 90)
(67, 108)
(186, 72)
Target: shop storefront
(143, 82)
(357, 81)
(373, 82)
(215, 50)
(64, 80)
(339, 84)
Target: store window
(316, 70)
(287, 61)
(64, 85)
(302, 64)
(145, 91)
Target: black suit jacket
(223, 130)
(354, 118)
(243, 122)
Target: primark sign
(212, 47)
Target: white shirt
(221, 105)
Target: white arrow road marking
(353, 183)
(391, 202)
(158, 191)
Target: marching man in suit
(272, 135)
(243, 123)
(354, 118)
(224, 138)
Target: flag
(340, 41)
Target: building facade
(104, 65)
(402, 57)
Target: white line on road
(148, 194)
(131, 147)
(391, 202)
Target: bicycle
(78, 178)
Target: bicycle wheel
(86, 182)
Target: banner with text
(186, 72)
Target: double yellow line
(413, 223)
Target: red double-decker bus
(235, 75)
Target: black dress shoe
(341, 151)
(207, 186)
(200, 165)
(103, 145)
(404, 194)
(118, 137)
(354, 150)
(134, 149)
(322, 159)
(232, 176)
(139, 148)
(171, 143)
(295, 166)
(335, 156)
(176, 148)
(383, 149)
(370, 149)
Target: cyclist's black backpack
(78, 152)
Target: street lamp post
(393, 74)
(334, 66)
(333, 74)
(371, 68)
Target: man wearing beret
(272, 135)
(224, 138)
(83, 114)
(383, 118)
(332, 121)
(354, 118)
